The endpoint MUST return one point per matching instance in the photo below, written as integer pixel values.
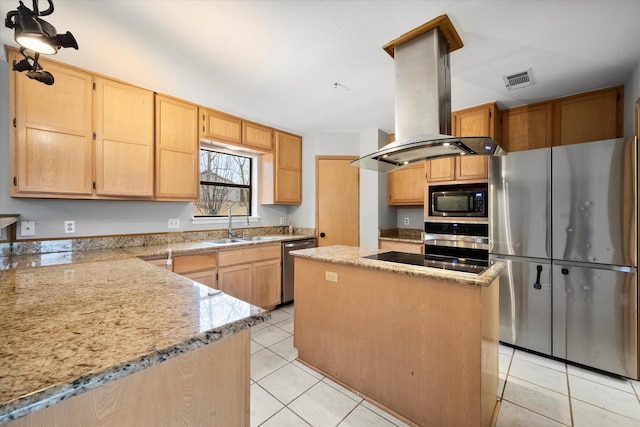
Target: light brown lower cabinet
(199, 267)
(412, 248)
(251, 274)
(208, 386)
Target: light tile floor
(535, 391)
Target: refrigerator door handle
(537, 284)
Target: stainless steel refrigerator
(564, 221)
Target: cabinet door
(53, 144)
(528, 127)
(177, 150)
(124, 139)
(406, 185)
(288, 177)
(267, 284)
(256, 136)
(472, 168)
(593, 116)
(218, 126)
(236, 281)
(441, 170)
(207, 277)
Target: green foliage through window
(224, 179)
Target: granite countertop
(142, 251)
(68, 328)
(354, 256)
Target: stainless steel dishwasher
(287, 265)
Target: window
(224, 179)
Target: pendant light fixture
(38, 36)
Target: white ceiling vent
(518, 80)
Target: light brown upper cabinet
(124, 139)
(527, 127)
(474, 121)
(56, 127)
(281, 171)
(177, 150)
(51, 146)
(221, 127)
(406, 185)
(590, 116)
(256, 136)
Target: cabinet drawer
(241, 256)
(189, 263)
(160, 262)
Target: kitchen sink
(239, 240)
(225, 241)
(256, 239)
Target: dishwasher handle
(308, 244)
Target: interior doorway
(337, 201)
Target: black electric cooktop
(448, 263)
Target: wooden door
(337, 201)
(124, 123)
(54, 148)
(177, 150)
(221, 127)
(266, 285)
(475, 121)
(257, 136)
(236, 281)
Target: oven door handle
(432, 239)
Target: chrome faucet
(231, 232)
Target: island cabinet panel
(124, 139)
(204, 387)
(51, 142)
(177, 174)
(424, 349)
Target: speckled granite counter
(69, 328)
(354, 256)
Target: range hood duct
(423, 102)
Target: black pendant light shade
(36, 34)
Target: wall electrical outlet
(331, 276)
(69, 226)
(406, 221)
(174, 222)
(281, 220)
(27, 228)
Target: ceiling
(278, 62)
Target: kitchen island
(121, 342)
(419, 342)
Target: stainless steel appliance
(463, 245)
(458, 200)
(563, 219)
(287, 265)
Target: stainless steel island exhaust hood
(423, 102)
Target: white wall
(631, 95)
(98, 217)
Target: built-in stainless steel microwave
(458, 200)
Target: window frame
(252, 187)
